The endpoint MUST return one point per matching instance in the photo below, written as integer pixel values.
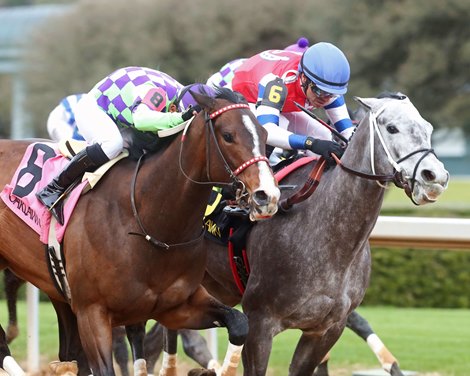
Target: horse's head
(235, 145)
(406, 138)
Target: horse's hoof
(59, 368)
(201, 372)
(395, 370)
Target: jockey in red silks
(133, 97)
(225, 75)
(316, 77)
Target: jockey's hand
(190, 112)
(324, 148)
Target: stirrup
(57, 210)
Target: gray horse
(310, 266)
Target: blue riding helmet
(326, 66)
(185, 99)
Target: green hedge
(406, 278)
(419, 278)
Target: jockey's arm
(146, 119)
(272, 95)
(147, 113)
(338, 114)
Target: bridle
(210, 132)
(397, 177)
(241, 191)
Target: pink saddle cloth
(40, 164)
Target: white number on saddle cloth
(40, 164)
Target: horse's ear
(205, 101)
(368, 103)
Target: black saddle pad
(218, 224)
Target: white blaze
(265, 174)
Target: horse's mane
(393, 95)
(230, 95)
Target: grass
(431, 341)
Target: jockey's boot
(86, 160)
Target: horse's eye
(392, 129)
(228, 137)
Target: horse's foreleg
(169, 367)
(361, 327)
(12, 284)
(120, 349)
(311, 350)
(135, 335)
(70, 346)
(202, 311)
(195, 346)
(258, 345)
(96, 336)
(169, 355)
(7, 362)
(322, 368)
(153, 346)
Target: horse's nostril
(428, 175)
(260, 198)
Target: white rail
(418, 232)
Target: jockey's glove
(189, 113)
(324, 148)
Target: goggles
(319, 92)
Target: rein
(307, 189)
(155, 242)
(233, 174)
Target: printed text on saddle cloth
(39, 165)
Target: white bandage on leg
(12, 367)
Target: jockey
(225, 75)
(133, 97)
(273, 80)
(61, 121)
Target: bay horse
(194, 345)
(119, 279)
(310, 266)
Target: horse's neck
(358, 154)
(355, 200)
(169, 194)
(358, 157)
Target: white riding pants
(97, 127)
